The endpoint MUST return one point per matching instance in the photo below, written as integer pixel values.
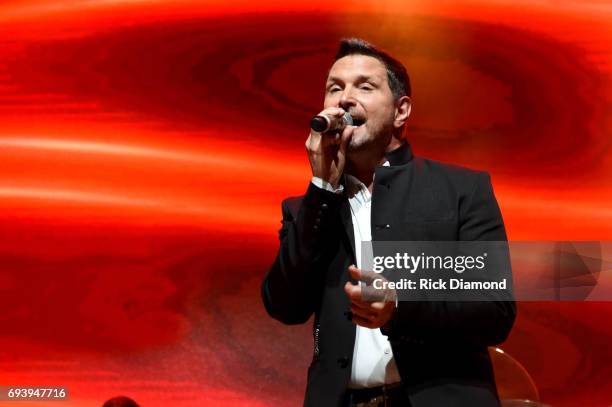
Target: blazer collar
(401, 155)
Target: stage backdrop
(145, 147)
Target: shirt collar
(357, 189)
(400, 156)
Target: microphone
(325, 124)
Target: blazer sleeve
(291, 290)
(478, 323)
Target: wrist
(327, 185)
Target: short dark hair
(397, 76)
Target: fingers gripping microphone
(323, 123)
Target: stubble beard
(367, 145)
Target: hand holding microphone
(323, 123)
(327, 147)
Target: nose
(346, 99)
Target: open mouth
(358, 121)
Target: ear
(403, 106)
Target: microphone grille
(348, 119)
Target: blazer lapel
(347, 222)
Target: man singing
(368, 186)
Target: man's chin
(358, 142)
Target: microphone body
(325, 124)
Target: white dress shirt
(373, 362)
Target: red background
(145, 147)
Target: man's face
(358, 84)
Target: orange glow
(146, 146)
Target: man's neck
(363, 167)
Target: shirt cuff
(320, 183)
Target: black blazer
(440, 348)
